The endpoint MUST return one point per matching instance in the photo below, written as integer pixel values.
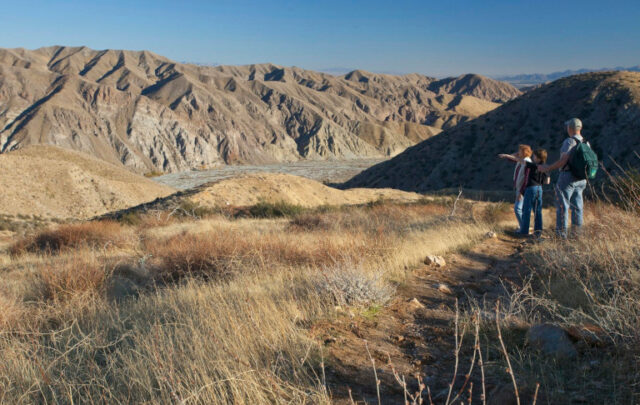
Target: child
(531, 188)
(524, 152)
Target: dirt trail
(417, 337)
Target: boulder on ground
(437, 261)
(121, 288)
(551, 340)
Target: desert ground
(425, 299)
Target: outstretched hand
(503, 156)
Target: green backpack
(583, 161)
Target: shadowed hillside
(153, 114)
(608, 104)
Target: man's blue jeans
(532, 202)
(569, 197)
(517, 208)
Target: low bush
(224, 253)
(153, 173)
(311, 222)
(72, 236)
(279, 209)
(349, 284)
(72, 278)
(188, 208)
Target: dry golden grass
(599, 273)
(590, 286)
(103, 234)
(242, 338)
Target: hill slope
(608, 104)
(275, 187)
(52, 182)
(150, 113)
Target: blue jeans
(532, 202)
(517, 208)
(569, 196)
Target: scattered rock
(437, 261)
(137, 273)
(415, 304)
(398, 338)
(121, 288)
(443, 288)
(329, 340)
(552, 340)
(490, 235)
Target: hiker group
(577, 163)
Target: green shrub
(279, 209)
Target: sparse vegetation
(226, 302)
(265, 209)
(227, 308)
(153, 173)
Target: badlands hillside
(608, 104)
(50, 182)
(153, 114)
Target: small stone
(437, 261)
(415, 304)
(490, 235)
(551, 340)
(329, 340)
(398, 338)
(443, 288)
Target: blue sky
(432, 37)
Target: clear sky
(432, 37)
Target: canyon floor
(324, 171)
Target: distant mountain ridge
(532, 79)
(607, 102)
(150, 113)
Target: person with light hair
(568, 188)
(524, 153)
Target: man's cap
(573, 123)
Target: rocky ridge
(150, 113)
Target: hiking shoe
(517, 234)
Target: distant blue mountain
(533, 79)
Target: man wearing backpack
(577, 163)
